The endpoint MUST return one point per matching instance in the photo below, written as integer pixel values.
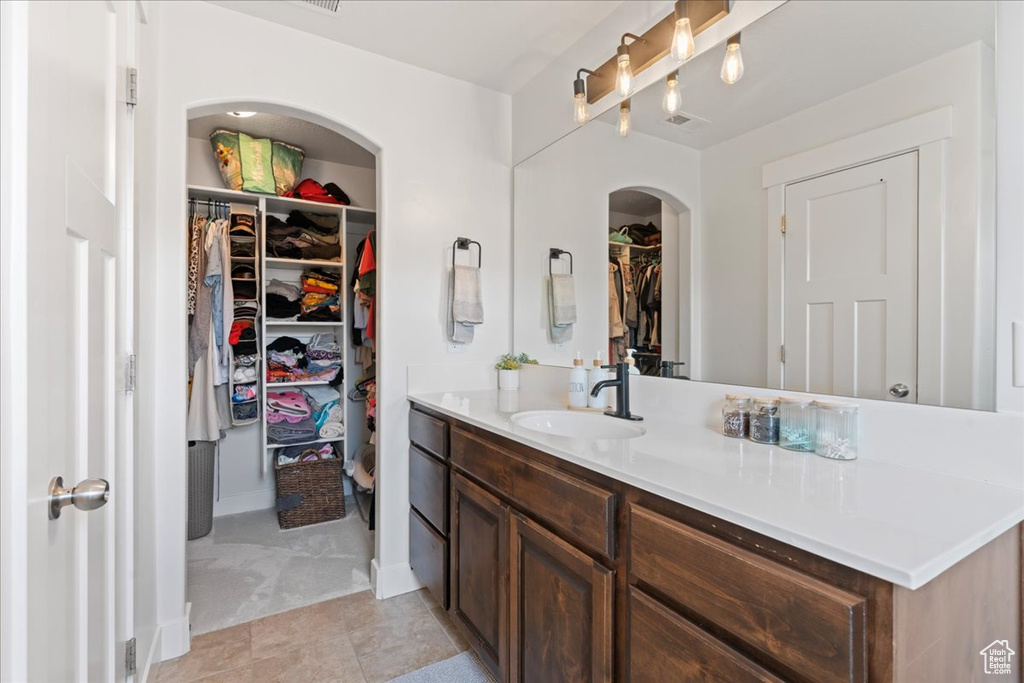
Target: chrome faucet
(621, 383)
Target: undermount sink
(577, 425)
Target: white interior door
(71, 56)
(850, 302)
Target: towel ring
(463, 243)
(556, 254)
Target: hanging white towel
(467, 303)
(562, 307)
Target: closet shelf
(304, 443)
(304, 383)
(276, 262)
(223, 194)
(300, 323)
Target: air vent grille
(677, 119)
(326, 5)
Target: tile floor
(352, 639)
(248, 567)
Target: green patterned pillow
(229, 161)
(287, 166)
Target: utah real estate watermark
(998, 658)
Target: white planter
(508, 380)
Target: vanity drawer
(664, 646)
(586, 513)
(428, 488)
(428, 557)
(429, 433)
(815, 630)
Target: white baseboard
(387, 582)
(245, 502)
(142, 674)
(176, 636)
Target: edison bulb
(580, 112)
(673, 98)
(624, 120)
(624, 77)
(682, 41)
(732, 67)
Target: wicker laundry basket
(201, 459)
(319, 484)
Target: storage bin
(320, 489)
(201, 459)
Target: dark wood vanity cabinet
(558, 573)
(479, 576)
(429, 475)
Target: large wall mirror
(825, 224)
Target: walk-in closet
(282, 265)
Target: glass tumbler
(798, 423)
(838, 430)
(736, 415)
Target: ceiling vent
(688, 122)
(330, 6)
(677, 119)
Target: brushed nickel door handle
(899, 390)
(90, 494)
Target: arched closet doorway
(282, 360)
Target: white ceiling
(804, 53)
(318, 142)
(498, 44)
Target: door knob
(899, 390)
(90, 494)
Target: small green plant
(511, 361)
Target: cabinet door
(479, 564)
(664, 646)
(561, 609)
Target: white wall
(561, 200)
(443, 171)
(542, 109)
(360, 184)
(735, 207)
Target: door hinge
(783, 221)
(133, 86)
(129, 373)
(782, 353)
(130, 663)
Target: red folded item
(313, 191)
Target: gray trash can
(201, 456)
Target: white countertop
(897, 523)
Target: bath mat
(462, 668)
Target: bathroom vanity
(563, 559)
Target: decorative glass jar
(798, 423)
(736, 415)
(764, 420)
(838, 430)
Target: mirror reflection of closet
(648, 282)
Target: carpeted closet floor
(248, 568)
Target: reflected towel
(467, 304)
(563, 300)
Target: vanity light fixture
(624, 118)
(624, 72)
(242, 114)
(732, 66)
(673, 98)
(682, 36)
(579, 95)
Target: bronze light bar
(655, 44)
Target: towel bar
(554, 254)
(463, 243)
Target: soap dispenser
(598, 374)
(631, 362)
(577, 384)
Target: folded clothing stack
(243, 329)
(282, 300)
(304, 236)
(290, 417)
(291, 360)
(320, 302)
(307, 453)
